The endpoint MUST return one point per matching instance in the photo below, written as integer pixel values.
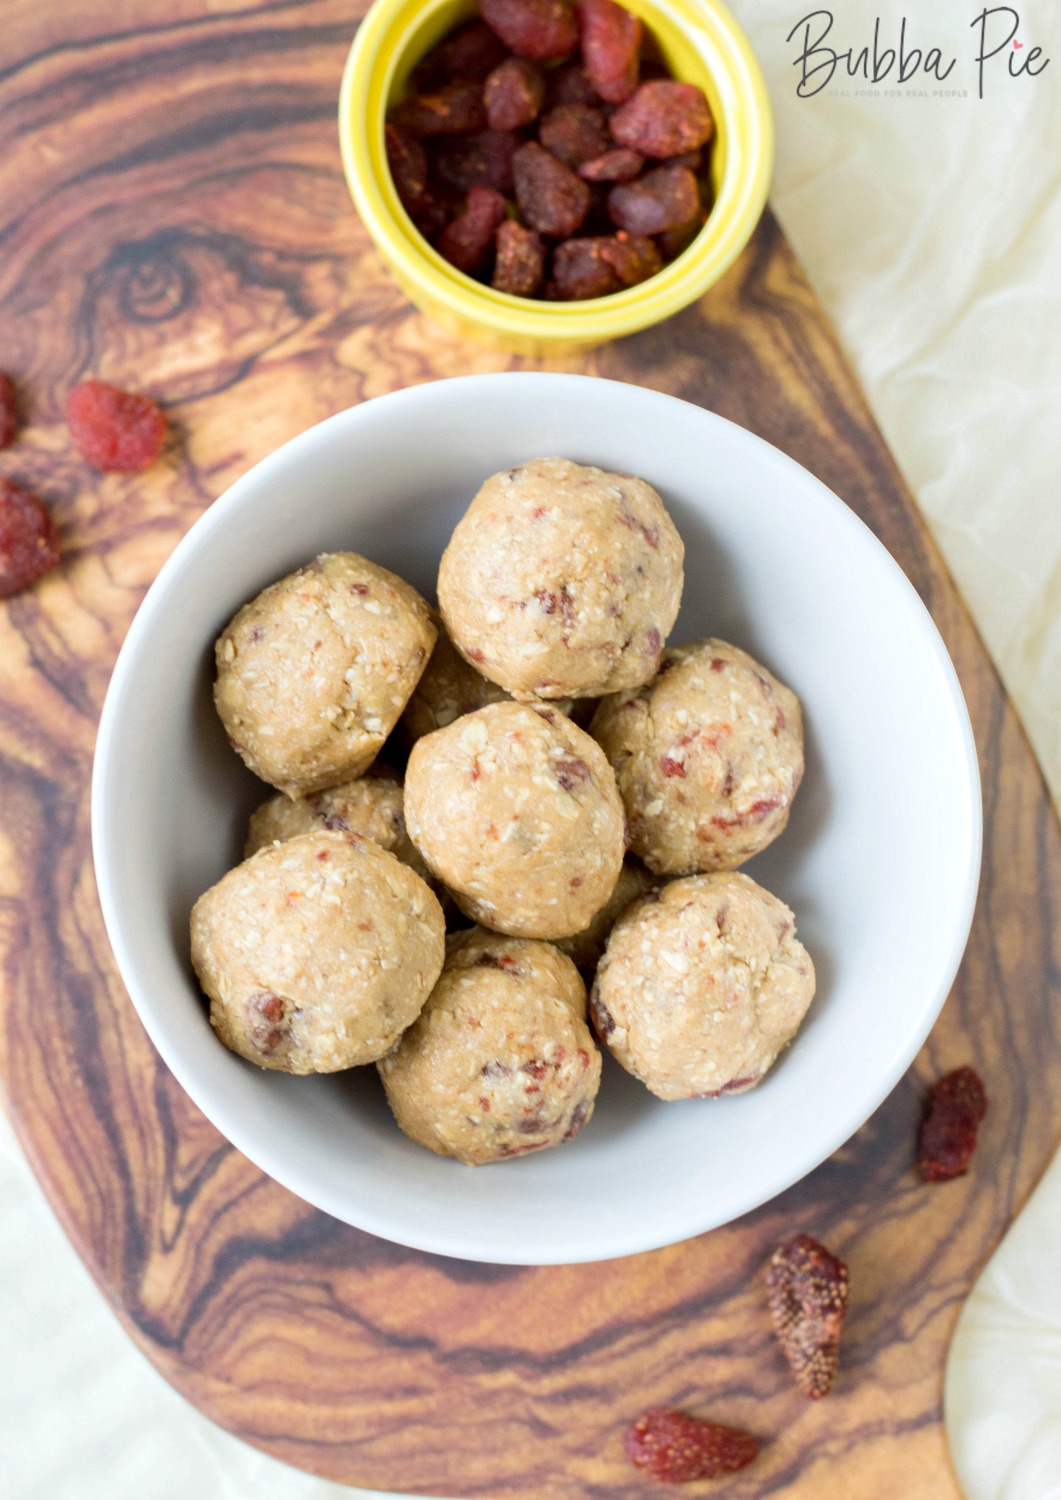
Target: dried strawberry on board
(29, 539)
(807, 1287)
(677, 1448)
(117, 431)
(954, 1110)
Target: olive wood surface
(173, 217)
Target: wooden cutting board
(172, 216)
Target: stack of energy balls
(327, 948)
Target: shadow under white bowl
(880, 861)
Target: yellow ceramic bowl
(701, 43)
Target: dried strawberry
(569, 84)
(673, 241)
(543, 30)
(619, 165)
(551, 198)
(954, 1109)
(611, 41)
(574, 133)
(472, 51)
(466, 242)
(659, 201)
(116, 430)
(634, 257)
(663, 118)
(482, 160)
(582, 270)
(8, 410)
(407, 160)
(676, 1448)
(807, 1287)
(29, 539)
(694, 160)
(513, 94)
(431, 214)
(520, 261)
(453, 109)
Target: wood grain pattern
(172, 215)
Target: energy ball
(313, 673)
(501, 1061)
(562, 581)
(702, 986)
(516, 811)
(449, 689)
(708, 758)
(586, 947)
(317, 953)
(371, 806)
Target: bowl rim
(746, 120)
(644, 1237)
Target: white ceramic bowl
(880, 861)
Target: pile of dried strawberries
(544, 149)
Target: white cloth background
(931, 228)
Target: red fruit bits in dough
(8, 410)
(663, 118)
(115, 430)
(520, 260)
(551, 198)
(661, 200)
(467, 240)
(540, 29)
(677, 1448)
(29, 540)
(611, 41)
(807, 1288)
(954, 1110)
(513, 94)
(574, 133)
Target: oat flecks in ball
(586, 947)
(313, 673)
(562, 580)
(500, 1062)
(516, 810)
(702, 986)
(317, 953)
(372, 807)
(708, 757)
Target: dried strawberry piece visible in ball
(611, 42)
(453, 109)
(513, 94)
(117, 431)
(29, 539)
(520, 262)
(8, 410)
(544, 30)
(574, 133)
(551, 198)
(663, 118)
(466, 242)
(659, 201)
